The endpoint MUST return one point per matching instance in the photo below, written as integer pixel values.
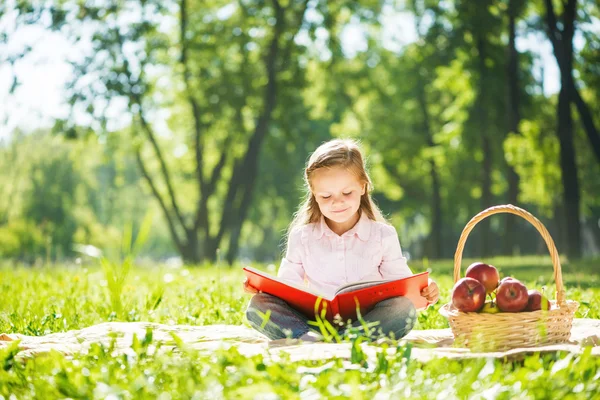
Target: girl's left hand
(431, 292)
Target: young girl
(338, 236)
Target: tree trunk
(234, 243)
(210, 248)
(486, 170)
(562, 44)
(436, 208)
(587, 121)
(191, 250)
(245, 170)
(486, 195)
(511, 242)
(435, 234)
(249, 179)
(249, 170)
(570, 180)
(558, 233)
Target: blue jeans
(394, 317)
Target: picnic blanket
(427, 344)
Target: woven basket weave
(505, 330)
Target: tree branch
(135, 98)
(196, 112)
(588, 121)
(158, 196)
(562, 51)
(216, 173)
(553, 31)
(252, 155)
(210, 187)
(245, 170)
(569, 18)
(234, 184)
(163, 166)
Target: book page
(351, 287)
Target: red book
(344, 302)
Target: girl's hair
(343, 153)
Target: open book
(347, 298)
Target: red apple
(512, 296)
(536, 301)
(468, 295)
(486, 274)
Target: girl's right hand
(248, 288)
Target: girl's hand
(248, 288)
(431, 292)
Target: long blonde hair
(343, 153)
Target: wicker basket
(505, 330)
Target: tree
(555, 35)
(224, 107)
(514, 93)
(562, 44)
(480, 24)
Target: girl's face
(337, 192)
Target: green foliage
(42, 185)
(227, 373)
(21, 239)
(534, 155)
(116, 272)
(60, 193)
(191, 88)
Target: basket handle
(509, 208)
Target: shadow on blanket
(427, 344)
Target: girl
(338, 236)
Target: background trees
(208, 110)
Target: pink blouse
(324, 260)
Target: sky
(40, 97)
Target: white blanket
(427, 344)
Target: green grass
(42, 300)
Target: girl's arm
(393, 264)
(291, 267)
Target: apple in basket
(486, 274)
(536, 301)
(468, 295)
(490, 308)
(512, 296)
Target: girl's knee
(404, 316)
(259, 304)
(260, 300)
(401, 304)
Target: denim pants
(394, 317)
